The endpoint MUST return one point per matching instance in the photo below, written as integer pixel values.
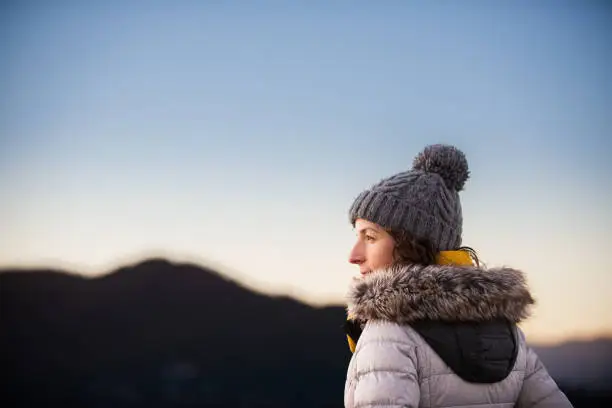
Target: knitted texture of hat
(423, 201)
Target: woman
(428, 326)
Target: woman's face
(374, 247)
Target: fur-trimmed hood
(408, 293)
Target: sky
(237, 134)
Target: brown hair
(411, 250)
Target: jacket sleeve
(383, 370)
(539, 389)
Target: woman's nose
(356, 256)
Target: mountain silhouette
(586, 364)
(163, 334)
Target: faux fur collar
(404, 294)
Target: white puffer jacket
(444, 336)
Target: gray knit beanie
(423, 201)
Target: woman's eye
(369, 238)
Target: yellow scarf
(460, 257)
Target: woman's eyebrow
(366, 229)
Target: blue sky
(237, 134)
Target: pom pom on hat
(446, 161)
